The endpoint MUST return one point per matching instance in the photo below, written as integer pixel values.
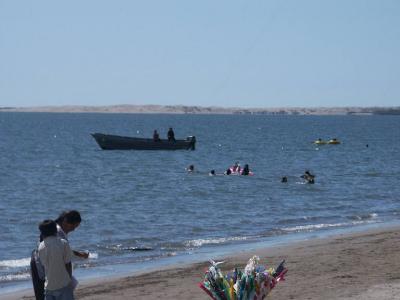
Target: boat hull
(116, 142)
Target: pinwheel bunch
(255, 282)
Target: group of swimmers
(237, 170)
(233, 170)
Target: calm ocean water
(145, 199)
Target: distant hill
(183, 109)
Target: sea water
(141, 208)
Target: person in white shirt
(55, 256)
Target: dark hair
(48, 228)
(70, 216)
(246, 170)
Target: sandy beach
(185, 109)
(350, 266)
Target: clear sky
(260, 53)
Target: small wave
(93, 255)
(313, 227)
(372, 174)
(202, 242)
(299, 220)
(363, 222)
(364, 217)
(15, 263)
(14, 277)
(121, 247)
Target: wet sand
(349, 266)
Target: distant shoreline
(182, 109)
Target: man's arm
(68, 266)
(67, 257)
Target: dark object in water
(116, 142)
(138, 248)
(309, 178)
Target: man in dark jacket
(171, 135)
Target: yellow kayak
(320, 142)
(334, 142)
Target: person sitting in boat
(171, 135)
(156, 136)
(334, 141)
(319, 142)
(309, 178)
(190, 169)
(246, 170)
(212, 173)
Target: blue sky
(211, 53)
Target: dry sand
(358, 266)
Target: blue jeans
(65, 293)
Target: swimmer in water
(236, 167)
(246, 170)
(309, 178)
(228, 172)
